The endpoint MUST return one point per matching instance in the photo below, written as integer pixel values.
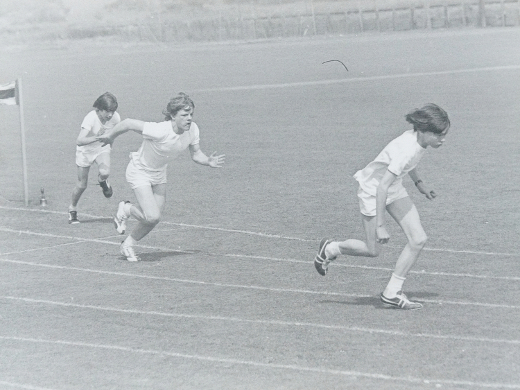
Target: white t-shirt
(161, 143)
(400, 156)
(94, 126)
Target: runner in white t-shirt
(89, 150)
(380, 188)
(146, 172)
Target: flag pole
(22, 134)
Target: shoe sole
(321, 251)
(108, 192)
(73, 222)
(321, 257)
(388, 302)
(318, 265)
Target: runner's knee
(104, 171)
(81, 185)
(373, 251)
(153, 218)
(419, 240)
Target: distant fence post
(428, 16)
(482, 13)
(253, 9)
(313, 18)
(446, 15)
(517, 22)
(360, 15)
(502, 13)
(393, 16)
(378, 24)
(464, 17)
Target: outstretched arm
(199, 157)
(122, 127)
(423, 189)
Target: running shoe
(401, 301)
(321, 262)
(128, 252)
(73, 217)
(107, 189)
(120, 218)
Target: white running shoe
(73, 217)
(401, 301)
(120, 218)
(128, 252)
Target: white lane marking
(264, 322)
(294, 367)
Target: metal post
(22, 135)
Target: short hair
(107, 102)
(177, 103)
(430, 118)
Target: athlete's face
(183, 119)
(104, 115)
(435, 140)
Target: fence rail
(226, 26)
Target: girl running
(380, 188)
(89, 150)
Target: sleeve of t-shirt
(88, 121)
(398, 160)
(156, 131)
(195, 134)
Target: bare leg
(405, 214)
(103, 163)
(148, 212)
(81, 186)
(353, 247)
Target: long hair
(176, 104)
(429, 118)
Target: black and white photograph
(259, 194)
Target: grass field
(226, 295)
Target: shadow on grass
(376, 302)
(103, 220)
(159, 256)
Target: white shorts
(137, 176)
(86, 159)
(367, 202)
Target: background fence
(261, 19)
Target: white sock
(126, 208)
(394, 286)
(332, 250)
(72, 208)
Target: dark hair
(107, 102)
(176, 104)
(430, 118)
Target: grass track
(227, 296)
